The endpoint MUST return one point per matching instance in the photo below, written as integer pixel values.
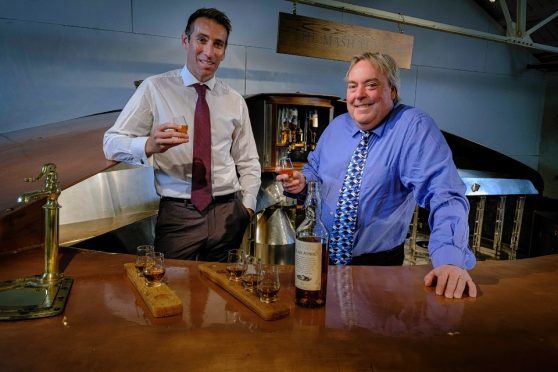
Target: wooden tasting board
(161, 301)
(217, 273)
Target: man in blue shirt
(407, 162)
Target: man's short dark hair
(210, 13)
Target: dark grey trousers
(185, 233)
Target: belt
(216, 199)
(394, 256)
(384, 253)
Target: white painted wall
(62, 59)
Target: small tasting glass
(268, 283)
(250, 276)
(141, 253)
(235, 264)
(285, 166)
(154, 270)
(181, 120)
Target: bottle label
(308, 265)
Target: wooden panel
(313, 37)
(161, 301)
(217, 273)
(301, 101)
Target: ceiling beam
(510, 25)
(542, 23)
(521, 14)
(511, 39)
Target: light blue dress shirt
(408, 162)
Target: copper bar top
(376, 318)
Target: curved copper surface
(376, 318)
(23, 152)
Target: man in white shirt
(148, 128)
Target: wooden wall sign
(313, 37)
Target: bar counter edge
(376, 318)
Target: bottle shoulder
(311, 227)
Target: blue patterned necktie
(344, 225)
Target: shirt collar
(189, 79)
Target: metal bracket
(519, 37)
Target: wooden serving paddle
(217, 273)
(161, 300)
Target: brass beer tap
(52, 192)
(46, 294)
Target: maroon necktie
(201, 166)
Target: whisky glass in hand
(154, 270)
(181, 120)
(285, 166)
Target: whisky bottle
(293, 123)
(285, 137)
(313, 129)
(311, 253)
(299, 134)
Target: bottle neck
(312, 202)
(312, 212)
(312, 225)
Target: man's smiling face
(205, 47)
(369, 95)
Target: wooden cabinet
(288, 125)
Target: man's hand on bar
(451, 281)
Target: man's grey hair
(386, 64)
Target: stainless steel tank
(271, 235)
(274, 237)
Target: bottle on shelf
(299, 133)
(285, 136)
(313, 131)
(293, 124)
(311, 253)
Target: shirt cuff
(300, 197)
(450, 255)
(138, 150)
(249, 201)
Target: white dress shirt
(161, 98)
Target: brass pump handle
(52, 186)
(46, 168)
